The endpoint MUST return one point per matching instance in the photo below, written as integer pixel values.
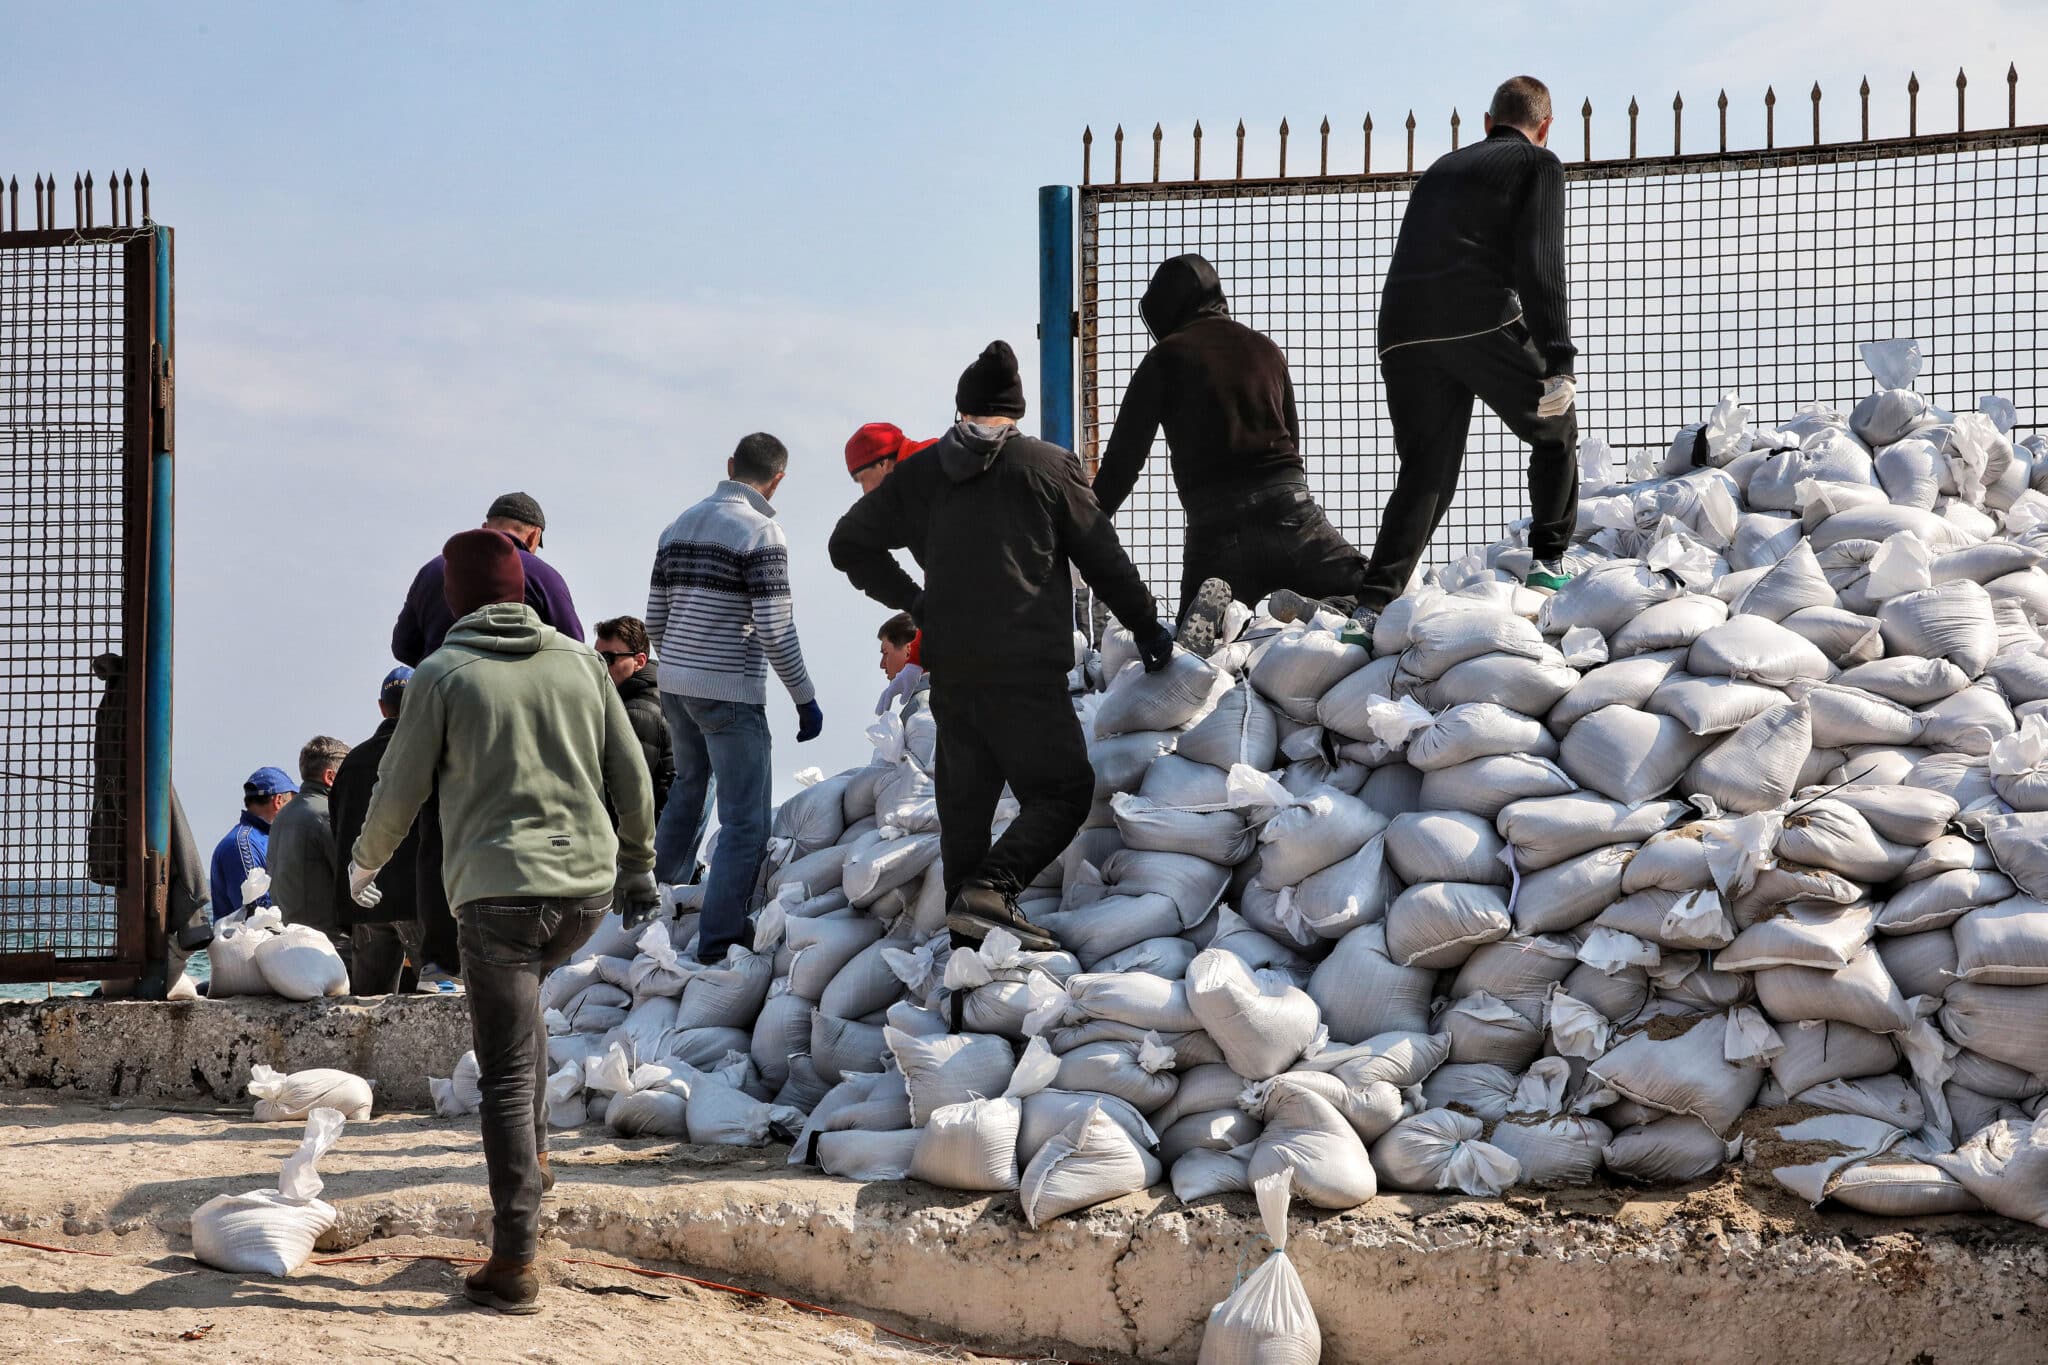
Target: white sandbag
(782, 1030)
(1435, 925)
(1440, 1149)
(2019, 843)
(2004, 1023)
(1607, 598)
(460, 1094)
(1834, 835)
(823, 945)
(1920, 964)
(1629, 755)
(1948, 621)
(1846, 716)
(1795, 582)
(1370, 1107)
(1121, 761)
(1845, 638)
(1860, 993)
(1441, 640)
(1222, 1130)
(1242, 729)
(1222, 836)
(236, 938)
(1092, 1162)
(2006, 1167)
(300, 963)
(1484, 786)
(1625, 682)
(1048, 1113)
(1545, 831)
(1826, 937)
(1568, 894)
(280, 1097)
(1445, 846)
(1267, 1319)
(1094, 932)
(1670, 625)
(856, 1154)
(972, 1145)
(1202, 1174)
(1477, 730)
(1528, 687)
(1306, 1134)
(272, 1232)
(1479, 1088)
(879, 864)
(1487, 1030)
(1681, 1069)
(1261, 1022)
(949, 1069)
(1141, 1075)
(815, 817)
(1298, 666)
(1895, 1186)
(730, 995)
(1754, 649)
(841, 1047)
(1165, 700)
(2005, 944)
(1314, 833)
(1758, 766)
(1561, 1150)
(1362, 992)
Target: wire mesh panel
(1756, 272)
(69, 851)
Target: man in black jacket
(622, 644)
(1474, 305)
(1223, 394)
(386, 935)
(995, 518)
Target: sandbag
(1629, 755)
(2006, 1167)
(1440, 1149)
(1754, 649)
(300, 963)
(1362, 992)
(1445, 846)
(1267, 1319)
(1165, 700)
(280, 1097)
(272, 1232)
(1305, 1133)
(1758, 766)
(1094, 1160)
(236, 938)
(1261, 1022)
(1435, 925)
(1667, 1151)
(1681, 1069)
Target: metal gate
(85, 559)
(1692, 274)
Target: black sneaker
(979, 910)
(1287, 605)
(1204, 618)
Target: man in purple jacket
(423, 623)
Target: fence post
(1056, 314)
(157, 652)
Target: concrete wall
(204, 1049)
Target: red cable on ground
(67, 1251)
(807, 1307)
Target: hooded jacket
(1219, 388)
(642, 696)
(347, 805)
(994, 518)
(520, 728)
(1482, 244)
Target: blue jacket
(240, 851)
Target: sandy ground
(166, 1306)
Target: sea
(84, 907)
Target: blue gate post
(156, 764)
(1056, 314)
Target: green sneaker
(1547, 575)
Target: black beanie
(990, 387)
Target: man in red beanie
(520, 730)
(876, 449)
(995, 518)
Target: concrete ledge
(204, 1049)
(1717, 1273)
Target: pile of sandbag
(1527, 890)
(254, 952)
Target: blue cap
(267, 782)
(392, 690)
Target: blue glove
(1156, 649)
(809, 721)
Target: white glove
(1559, 392)
(362, 886)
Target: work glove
(809, 721)
(1560, 391)
(362, 886)
(1156, 649)
(637, 897)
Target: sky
(427, 254)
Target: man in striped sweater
(1474, 305)
(719, 611)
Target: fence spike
(1119, 154)
(113, 201)
(14, 198)
(1455, 120)
(1198, 149)
(1368, 144)
(1913, 105)
(2012, 95)
(1325, 167)
(1633, 110)
(1961, 82)
(1087, 151)
(51, 185)
(1770, 116)
(127, 199)
(1863, 93)
(1240, 149)
(1411, 139)
(38, 190)
(1677, 123)
(1723, 103)
(145, 194)
(1158, 136)
(81, 202)
(1586, 119)
(1283, 148)
(1816, 113)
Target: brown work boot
(547, 1178)
(505, 1285)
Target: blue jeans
(727, 740)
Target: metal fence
(80, 413)
(1691, 275)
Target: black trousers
(508, 946)
(1022, 734)
(1264, 538)
(1430, 388)
(437, 922)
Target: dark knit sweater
(1482, 241)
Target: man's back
(719, 607)
(301, 860)
(1482, 241)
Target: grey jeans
(507, 947)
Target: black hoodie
(1220, 389)
(994, 518)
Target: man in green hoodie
(524, 735)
